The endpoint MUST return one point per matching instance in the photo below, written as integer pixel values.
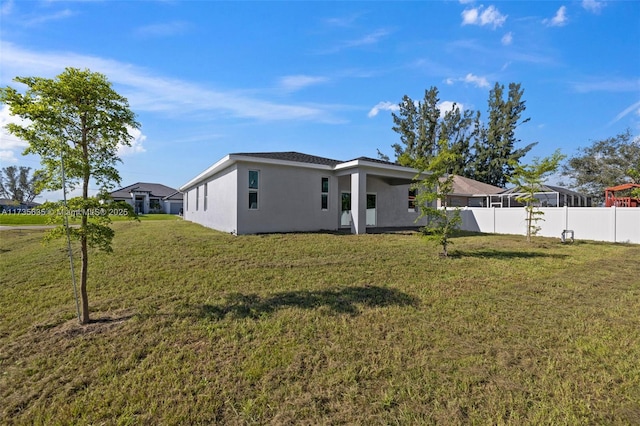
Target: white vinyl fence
(613, 224)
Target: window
(197, 197)
(206, 188)
(412, 200)
(324, 197)
(253, 179)
(253, 189)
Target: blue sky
(210, 78)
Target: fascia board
(378, 167)
(223, 163)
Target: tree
(634, 173)
(607, 162)
(437, 186)
(417, 124)
(76, 121)
(495, 153)
(529, 179)
(16, 185)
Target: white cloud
(507, 39)
(593, 6)
(9, 142)
(383, 106)
(469, 79)
(633, 108)
(7, 157)
(366, 40)
(292, 83)
(596, 84)
(148, 92)
(63, 14)
(136, 144)
(476, 80)
(478, 16)
(6, 8)
(559, 20)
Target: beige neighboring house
(471, 193)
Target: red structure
(610, 198)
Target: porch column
(359, 202)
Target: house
(548, 196)
(471, 193)
(249, 193)
(150, 198)
(15, 206)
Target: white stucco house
(250, 193)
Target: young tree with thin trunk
(435, 188)
(76, 123)
(529, 178)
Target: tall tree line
(486, 152)
(16, 184)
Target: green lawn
(32, 219)
(192, 326)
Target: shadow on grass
(504, 254)
(343, 301)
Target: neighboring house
(150, 198)
(249, 193)
(9, 205)
(548, 196)
(471, 193)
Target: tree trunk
(83, 238)
(83, 279)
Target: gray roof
(155, 190)
(375, 160)
(292, 156)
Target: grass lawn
(192, 326)
(27, 219)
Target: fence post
(614, 215)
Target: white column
(359, 202)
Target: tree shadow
(343, 301)
(504, 254)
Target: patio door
(371, 209)
(345, 209)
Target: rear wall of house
(289, 199)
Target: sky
(207, 78)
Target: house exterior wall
(221, 211)
(289, 199)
